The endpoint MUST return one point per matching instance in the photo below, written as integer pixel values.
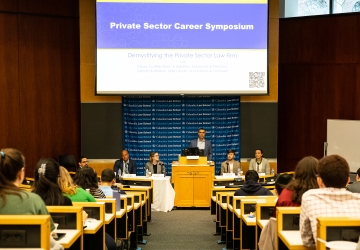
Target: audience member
(230, 165)
(83, 162)
(330, 200)
(69, 189)
(13, 200)
(281, 182)
(46, 185)
(87, 179)
(252, 187)
(304, 179)
(107, 180)
(355, 187)
(259, 164)
(125, 164)
(154, 165)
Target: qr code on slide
(256, 79)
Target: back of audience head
(12, 169)
(358, 175)
(107, 176)
(87, 178)
(65, 182)
(46, 182)
(333, 171)
(252, 175)
(281, 182)
(304, 178)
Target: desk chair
(68, 162)
(25, 231)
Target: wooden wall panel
(318, 80)
(68, 8)
(319, 39)
(49, 81)
(9, 5)
(9, 85)
(39, 78)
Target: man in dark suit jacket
(201, 143)
(126, 165)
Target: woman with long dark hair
(304, 179)
(87, 179)
(46, 185)
(14, 200)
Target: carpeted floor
(182, 229)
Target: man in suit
(230, 165)
(125, 164)
(201, 143)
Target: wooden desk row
(126, 224)
(238, 230)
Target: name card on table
(192, 157)
(229, 174)
(158, 175)
(129, 175)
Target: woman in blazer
(154, 165)
(260, 164)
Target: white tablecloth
(163, 194)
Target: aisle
(181, 229)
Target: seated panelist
(154, 165)
(125, 164)
(230, 165)
(259, 164)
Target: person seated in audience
(259, 164)
(107, 180)
(46, 185)
(87, 179)
(125, 164)
(281, 182)
(304, 179)
(13, 200)
(69, 189)
(154, 165)
(77, 194)
(83, 162)
(230, 165)
(252, 187)
(355, 187)
(330, 200)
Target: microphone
(227, 166)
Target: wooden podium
(192, 181)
